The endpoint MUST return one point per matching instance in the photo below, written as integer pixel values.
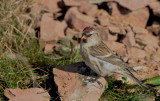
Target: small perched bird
(100, 58)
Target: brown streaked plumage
(100, 49)
(100, 58)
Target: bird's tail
(131, 76)
(138, 81)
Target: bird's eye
(86, 34)
(89, 35)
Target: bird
(100, 58)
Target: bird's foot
(91, 81)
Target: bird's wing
(115, 60)
(103, 53)
(100, 49)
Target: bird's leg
(106, 78)
(92, 81)
(91, 76)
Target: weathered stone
(155, 29)
(135, 53)
(71, 32)
(88, 9)
(147, 39)
(77, 20)
(31, 94)
(133, 4)
(139, 30)
(156, 56)
(118, 48)
(113, 9)
(75, 2)
(129, 39)
(149, 49)
(49, 48)
(115, 46)
(103, 17)
(51, 30)
(51, 5)
(138, 18)
(114, 29)
(73, 84)
(155, 6)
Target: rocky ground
(130, 28)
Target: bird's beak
(84, 37)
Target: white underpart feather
(106, 67)
(105, 56)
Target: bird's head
(90, 36)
